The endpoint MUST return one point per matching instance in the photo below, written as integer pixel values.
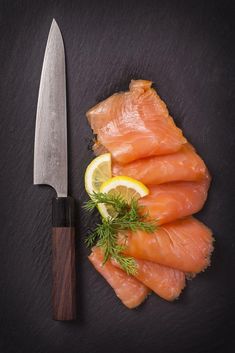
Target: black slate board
(187, 49)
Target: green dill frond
(127, 263)
(128, 218)
(117, 201)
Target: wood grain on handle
(64, 276)
(63, 259)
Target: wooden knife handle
(63, 259)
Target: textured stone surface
(187, 49)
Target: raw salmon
(135, 124)
(184, 165)
(184, 244)
(171, 201)
(164, 281)
(128, 289)
(145, 144)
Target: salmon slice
(184, 165)
(135, 124)
(128, 289)
(164, 281)
(171, 201)
(184, 244)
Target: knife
(50, 167)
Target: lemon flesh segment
(97, 172)
(127, 187)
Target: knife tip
(55, 28)
(54, 23)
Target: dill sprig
(105, 235)
(117, 201)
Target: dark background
(187, 49)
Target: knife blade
(50, 152)
(50, 167)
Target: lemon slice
(97, 172)
(125, 186)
